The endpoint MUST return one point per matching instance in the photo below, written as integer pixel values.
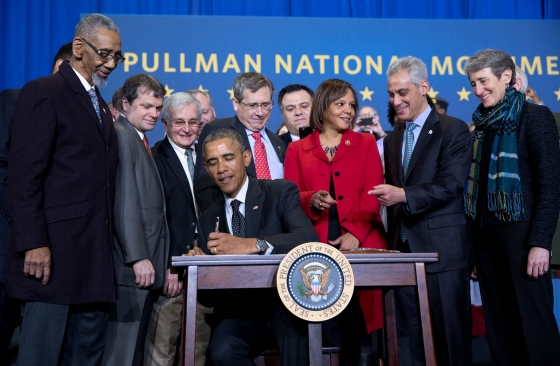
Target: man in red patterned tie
(252, 103)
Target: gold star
(168, 90)
(230, 91)
(366, 94)
(202, 89)
(557, 94)
(433, 94)
(463, 94)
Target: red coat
(356, 168)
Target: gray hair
(416, 68)
(88, 25)
(206, 93)
(524, 82)
(252, 81)
(178, 101)
(224, 133)
(498, 61)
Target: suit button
(336, 174)
(107, 222)
(193, 224)
(340, 197)
(109, 184)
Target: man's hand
(223, 243)
(322, 200)
(172, 287)
(346, 241)
(38, 263)
(388, 195)
(145, 273)
(537, 262)
(194, 251)
(531, 93)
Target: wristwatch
(262, 246)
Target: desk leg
(189, 314)
(425, 314)
(391, 326)
(315, 344)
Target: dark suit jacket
(62, 172)
(206, 191)
(433, 215)
(140, 221)
(7, 102)
(284, 225)
(286, 138)
(181, 213)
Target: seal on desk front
(315, 281)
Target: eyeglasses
(180, 124)
(106, 57)
(254, 106)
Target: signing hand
(38, 263)
(322, 200)
(388, 195)
(194, 251)
(224, 243)
(172, 287)
(145, 273)
(346, 241)
(537, 262)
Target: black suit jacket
(206, 191)
(286, 138)
(181, 211)
(7, 102)
(62, 171)
(433, 215)
(272, 212)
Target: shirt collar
(241, 195)
(421, 119)
(179, 148)
(86, 85)
(264, 136)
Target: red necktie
(147, 146)
(261, 162)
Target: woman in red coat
(334, 168)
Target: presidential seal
(315, 281)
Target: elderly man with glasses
(63, 164)
(252, 103)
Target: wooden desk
(259, 271)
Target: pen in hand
(217, 224)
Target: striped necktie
(409, 143)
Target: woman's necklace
(330, 150)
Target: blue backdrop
(355, 44)
(308, 51)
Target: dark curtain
(32, 30)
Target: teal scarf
(505, 197)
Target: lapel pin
(430, 132)
(254, 208)
(104, 110)
(347, 142)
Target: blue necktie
(409, 143)
(237, 220)
(190, 162)
(95, 102)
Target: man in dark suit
(62, 173)
(174, 157)
(426, 164)
(141, 247)
(252, 102)
(294, 101)
(256, 320)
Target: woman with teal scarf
(512, 199)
